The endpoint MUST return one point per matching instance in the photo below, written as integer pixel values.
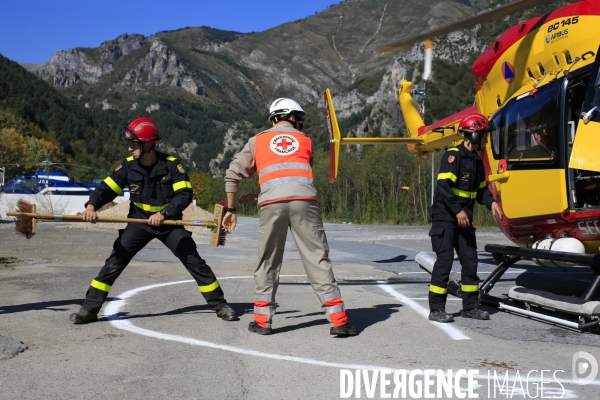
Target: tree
(41, 150)
(12, 146)
(200, 182)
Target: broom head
(25, 225)
(217, 234)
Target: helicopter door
(534, 183)
(586, 148)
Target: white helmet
(284, 107)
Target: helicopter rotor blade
(427, 59)
(50, 163)
(77, 165)
(61, 168)
(494, 14)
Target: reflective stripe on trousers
(209, 288)
(470, 288)
(100, 286)
(261, 313)
(336, 309)
(437, 289)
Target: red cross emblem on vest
(284, 144)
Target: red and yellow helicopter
(539, 85)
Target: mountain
(210, 89)
(37, 123)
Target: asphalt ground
(156, 337)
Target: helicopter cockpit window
(495, 135)
(24, 185)
(532, 128)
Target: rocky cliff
(159, 65)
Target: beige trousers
(303, 218)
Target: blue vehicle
(48, 183)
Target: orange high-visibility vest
(283, 158)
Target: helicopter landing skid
(563, 308)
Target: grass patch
(9, 262)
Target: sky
(32, 30)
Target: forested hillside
(39, 124)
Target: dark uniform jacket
(165, 185)
(460, 182)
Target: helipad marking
(112, 312)
(449, 330)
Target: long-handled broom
(27, 217)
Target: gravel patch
(10, 347)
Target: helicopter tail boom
(412, 117)
(336, 139)
(436, 136)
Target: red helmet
(472, 125)
(142, 130)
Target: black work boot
(440, 316)
(344, 330)
(83, 316)
(253, 327)
(475, 313)
(226, 313)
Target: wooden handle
(79, 218)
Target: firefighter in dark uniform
(461, 181)
(159, 189)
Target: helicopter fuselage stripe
(485, 63)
